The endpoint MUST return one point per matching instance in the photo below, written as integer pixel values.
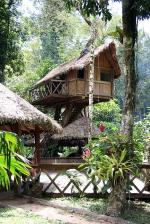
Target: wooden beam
(17, 181)
(57, 113)
(67, 114)
(37, 155)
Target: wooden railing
(74, 87)
(58, 87)
(58, 179)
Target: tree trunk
(129, 39)
(91, 87)
(118, 195)
(90, 47)
(116, 200)
(91, 74)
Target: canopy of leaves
(91, 7)
(98, 7)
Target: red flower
(86, 153)
(101, 128)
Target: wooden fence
(65, 179)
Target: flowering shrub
(111, 158)
(86, 153)
(101, 127)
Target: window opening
(106, 77)
(80, 74)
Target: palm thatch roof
(79, 63)
(15, 110)
(76, 130)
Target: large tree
(10, 53)
(132, 10)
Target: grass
(18, 216)
(137, 212)
(91, 204)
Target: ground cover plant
(135, 211)
(18, 216)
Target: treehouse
(69, 82)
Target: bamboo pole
(91, 78)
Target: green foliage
(94, 8)
(109, 113)
(10, 54)
(143, 54)
(143, 9)
(114, 169)
(136, 211)
(90, 7)
(143, 85)
(20, 216)
(10, 159)
(53, 29)
(142, 134)
(44, 67)
(21, 84)
(112, 158)
(53, 36)
(67, 151)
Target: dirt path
(65, 215)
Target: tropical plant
(114, 169)
(11, 162)
(112, 160)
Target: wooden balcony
(61, 91)
(53, 87)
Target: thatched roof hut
(76, 130)
(79, 63)
(17, 113)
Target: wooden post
(67, 114)
(91, 82)
(57, 113)
(17, 181)
(37, 155)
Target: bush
(112, 158)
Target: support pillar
(17, 181)
(37, 155)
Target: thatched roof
(76, 130)
(81, 62)
(15, 110)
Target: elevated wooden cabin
(69, 82)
